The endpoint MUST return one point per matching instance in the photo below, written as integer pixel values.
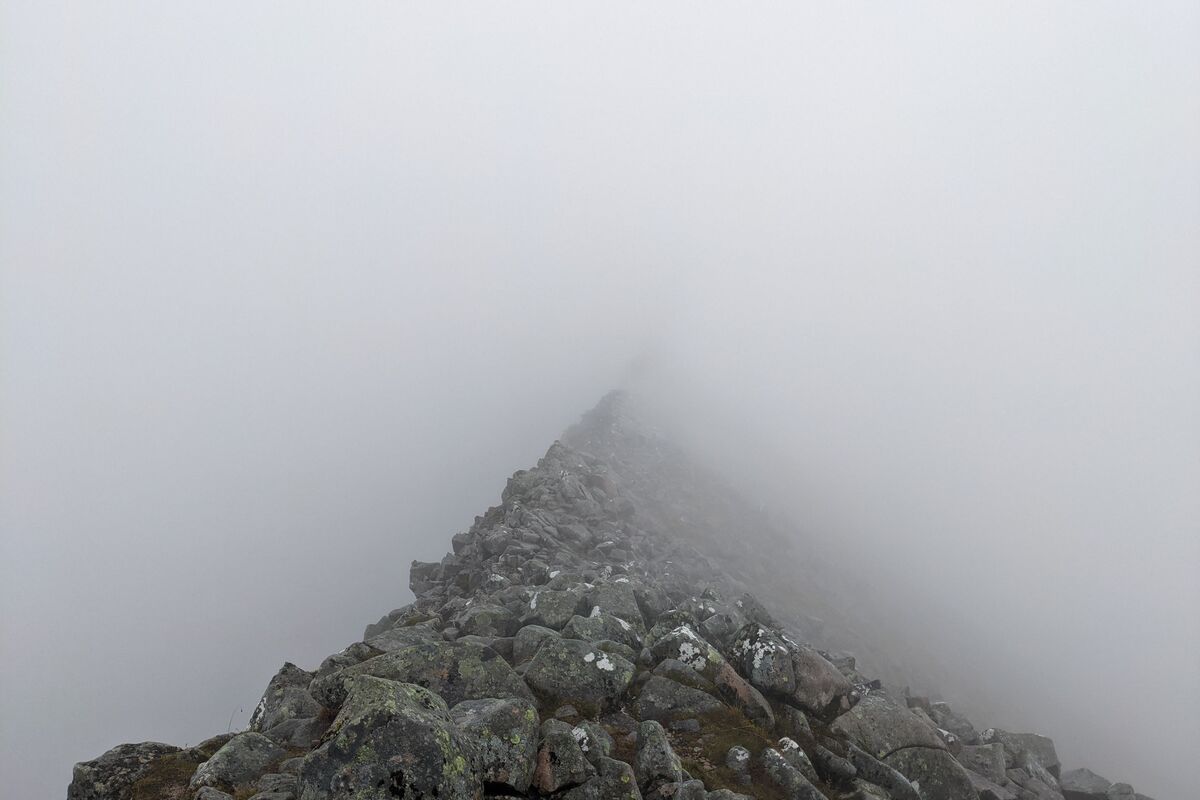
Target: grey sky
(287, 292)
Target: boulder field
(594, 637)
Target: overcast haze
(288, 292)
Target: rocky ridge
(594, 637)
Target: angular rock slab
(391, 740)
(576, 672)
(882, 725)
(935, 772)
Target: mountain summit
(622, 625)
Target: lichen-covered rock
(528, 640)
(619, 598)
(791, 670)
(665, 700)
(486, 619)
(285, 698)
(391, 740)
(936, 772)
(560, 760)
(553, 608)
(243, 758)
(654, 762)
(600, 625)
(789, 780)
(594, 741)
(576, 672)
(399, 638)
(111, 776)
(504, 734)
(881, 725)
(455, 671)
(614, 781)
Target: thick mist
(287, 293)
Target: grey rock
(615, 780)
(946, 718)
(286, 698)
(1040, 748)
(794, 754)
(881, 725)
(665, 700)
(240, 760)
(681, 673)
(599, 626)
(528, 640)
(553, 608)
(831, 766)
(455, 671)
(726, 794)
(594, 741)
(986, 759)
(1083, 784)
(573, 671)
(620, 600)
(939, 776)
(560, 760)
(687, 790)
(987, 789)
(886, 777)
(399, 638)
(655, 763)
(112, 775)
(391, 740)
(504, 736)
(211, 793)
(779, 666)
(787, 778)
(738, 759)
(486, 620)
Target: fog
(288, 291)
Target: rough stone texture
(112, 775)
(560, 760)
(504, 736)
(391, 740)
(665, 700)
(939, 776)
(787, 778)
(455, 671)
(882, 725)
(241, 759)
(655, 762)
(1038, 747)
(576, 672)
(1083, 784)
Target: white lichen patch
(595, 612)
(581, 738)
(605, 663)
(590, 657)
(554, 573)
(533, 602)
(691, 655)
(786, 744)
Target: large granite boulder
(391, 740)
(881, 725)
(571, 671)
(504, 734)
(111, 776)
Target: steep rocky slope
(622, 625)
